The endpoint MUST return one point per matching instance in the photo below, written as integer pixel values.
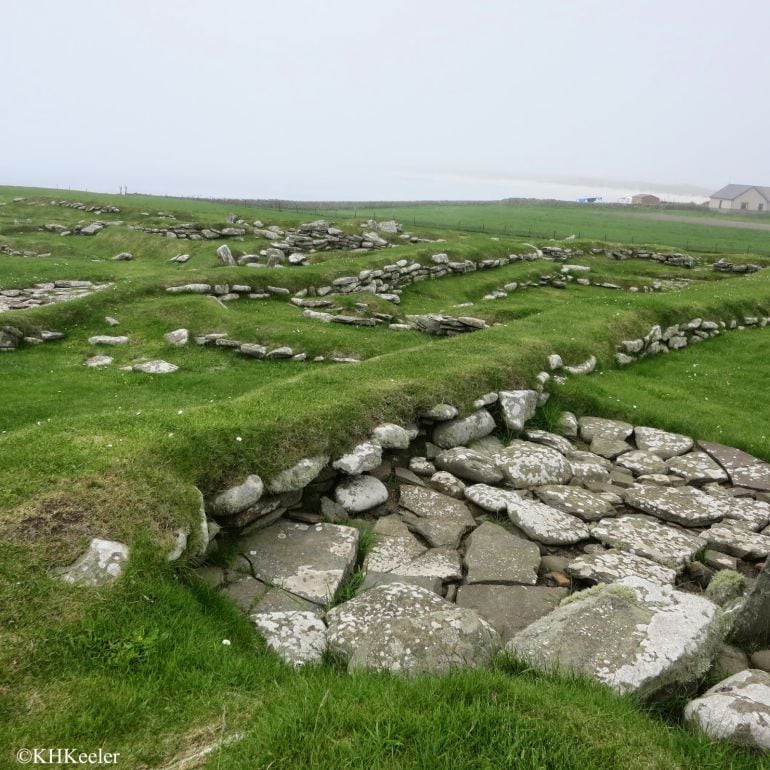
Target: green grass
(140, 668)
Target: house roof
(732, 191)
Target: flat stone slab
(633, 635)
(441, 563)
(591, 427)
(494, 555)
(526, 464)
(681, 505)
(277, 600)
(508, 608)
(492, 499)
(737, 710)
(552, 440)
(736, 540)
(309, 561)
(298, 637)
(438, 518)
(744, 469)
(696, 467)
(435, 643)
(545, 524)
(579, 502)
(106, 339)
(670, 546)
(101, 563)
(469, 465)
(662, 443)
(351, 622)
(392, 550)
(589, 468)
(641, 463)
(752, 514)
(610, 566)
(155, 367)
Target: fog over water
(343, 100)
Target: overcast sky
(404, 99)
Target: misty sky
(348, 99)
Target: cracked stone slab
(736, 540)
(634, 635)
(526, 464)
(695, 467)
(662, 443)
(391, 551)
(297, 637)
(492, 499)
(277, 600)
(545, 524)
(681, 505)
(351, 622)
(435, 643)
(610, 566)
(441, 563)
(510, 608)
(494, 555)
(469, 464)
(552, 440)
(591, 427)
(737, 710)
(101, 563)
(670, 546)
(744, 469)
(309, 561)
(440, 519)
(577, 501)
(642, 463)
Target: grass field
(141, 668)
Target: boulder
(298, 476)
(459, 432)
(390, 436)
(178, 338)
(737, 710)
(448, 484)
(518, 407)
(751, 621)
(360, 493)
(525, 464)
(225, 256)
(469, 464)
(238, 498)
(364, 457)
(545, 524)
(634, 635)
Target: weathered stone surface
(441, 563)
(252, 350)
(441, 520)
(744, 469)
(394, 545)
(662, 443)
(469, 464)
(670, 546)
(434, 643)
(568, 425)
(459, 432)
(696, 467)
(238, 498)
(589, 468)
(589, 506)
(178, 338)
(510, 608)
(310, 561)
(610, 566)
(101, 563)
(552, 440)
(525, 464)
(518, 407)
(633, 635)
(736, 540)
(277, 600)
(681, 505)
(752, 514)
(641, 463)
(391, 436)
(590, 427)
(351, 622)
(737, 709)
(448, 484)
(298, 637)
(729, 660)
(245, 591)
(360, 493)
(440, 413)
(489, 498)
(155, 367)
(608, 447)
(298, 476)
(225, 256)
(97, 361)
(545, 524)
(494, 555)
(364, 457)
(106, 339)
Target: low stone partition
(46, 294)
(723, 266)
(11, 252)
(91, 208)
